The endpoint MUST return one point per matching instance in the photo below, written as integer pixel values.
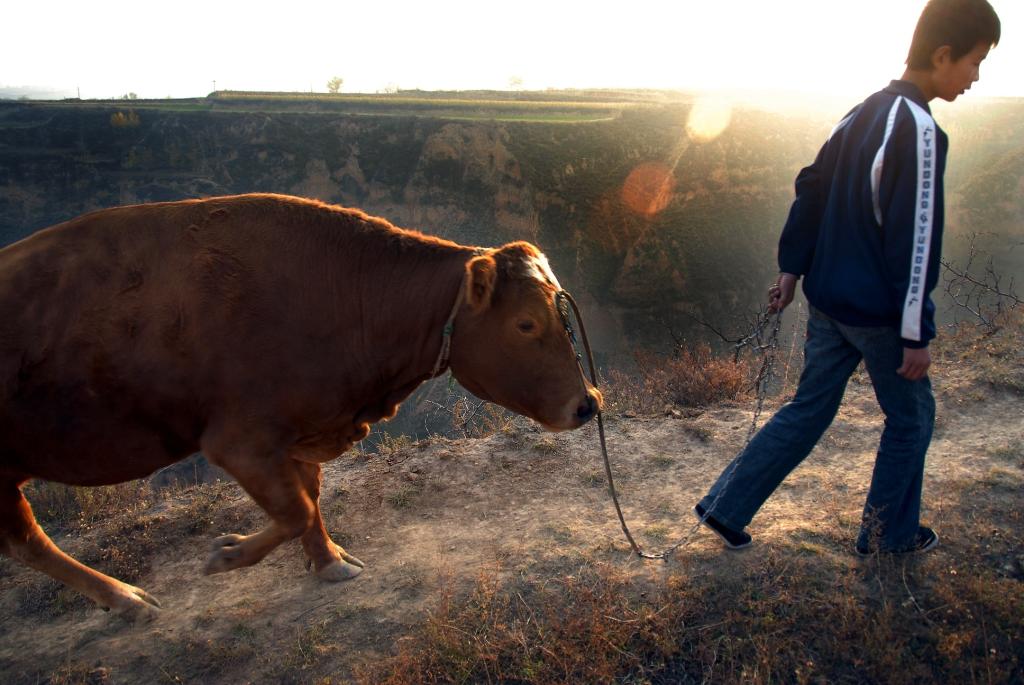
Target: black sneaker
(925, 540)
(733, 539)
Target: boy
(865, 232)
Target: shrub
(688, 378)
(124, 120)
(995, 351)
(460, 415)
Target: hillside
(557, 179)
(648, 219)
(499, 559)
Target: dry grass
(995, 353)
(800, 613)
(79, 674)
(687, 378)
(473, 418)
(797, 608)
(388, 445)
(1000, 354)
(403, 497)
(58, 507)
(123, 533)
(566, 628)
(801, 609)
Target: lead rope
(763, 378)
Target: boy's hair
(960, 24)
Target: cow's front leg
(275, 483)
(331, 561)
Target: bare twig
(984, 296)
(468, 417)
(680, 342)
(755, 337)
(913, 599)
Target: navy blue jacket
(865, 230)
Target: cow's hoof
(337, 571)
(134, 604)
(342, 557)
(351, 559)
(226, 555)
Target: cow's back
(121, 327)
(89, 310)
(128, 332)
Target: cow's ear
(481, 274)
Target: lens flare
(648, 188)
(709, 117)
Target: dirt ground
(438, 513)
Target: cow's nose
(586, 411)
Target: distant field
(546, 107)
(483, 106)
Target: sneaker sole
(721, 537)
(932, 544)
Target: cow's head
(510, 345)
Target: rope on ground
(765, 373)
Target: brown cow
(266, 331)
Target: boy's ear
(941, 56)
(481, 274)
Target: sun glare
(708, 119)
(648, 188)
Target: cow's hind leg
(330, 559)
(21, 538)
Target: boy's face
(952, 77)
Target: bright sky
(180, 48)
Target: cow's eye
(526, 326)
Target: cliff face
(643, 220)
(626, 244)
(451, 179)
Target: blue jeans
(832, 352)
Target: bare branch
(707, 325)
(754, 338)
(982, 295)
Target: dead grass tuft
(78, 674)
(403, 497)
(549, 445)
(688, 378)
(995, 354)
(464, 416)
(389, 445)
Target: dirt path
(438, 513)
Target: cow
(266, 331)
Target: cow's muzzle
(589, 407)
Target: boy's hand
(781, 294)
(915, 363)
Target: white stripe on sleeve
(923, 211)
(876, 167)
(838, 127)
